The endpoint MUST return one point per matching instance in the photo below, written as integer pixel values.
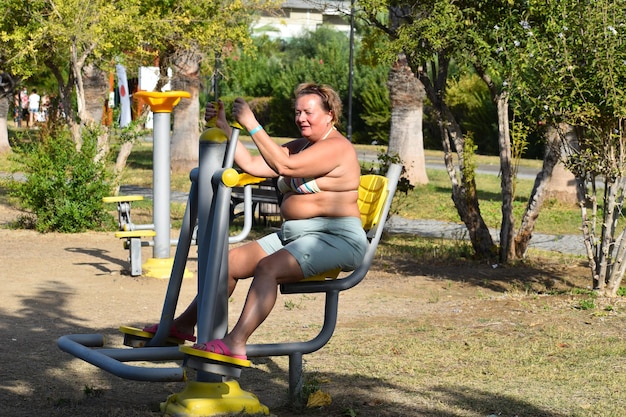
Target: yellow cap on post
(162, 101)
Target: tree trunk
(7, 85)
(64, 100)
(186, 114)
(96, 90)
(464, 193)
(406, 138)
(76, 67)
(501, 99)
(550, 159)
(562, 184)
(507, 233)
(120, 163)
(4, 128)
(610, 279)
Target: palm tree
(406, 138)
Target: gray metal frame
(209, 203)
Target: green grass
(434, 201)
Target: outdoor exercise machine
(160, 265)
(215, 391)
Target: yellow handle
(245, 179)
(230, 177)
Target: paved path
(570, 244)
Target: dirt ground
(54, 284)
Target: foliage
(374, 98)
(385, 160)
(64, 186)
(274, 68)
(469, 100)
(207, 27)
(575, 53)
(251, 72)
(66, 36)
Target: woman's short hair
(330, 99)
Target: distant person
(24, 104)
(33, 106)
(17, 110)
(42, 116)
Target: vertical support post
(161, 104)
(295, 378)
(161, 181)
(212, 150)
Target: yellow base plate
(212, 399)
(161, 268)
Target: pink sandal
(218, 346)
(173, 333)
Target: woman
(319, 175)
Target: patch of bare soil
(380, 362)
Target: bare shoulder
(339, 141)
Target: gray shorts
(321, 243)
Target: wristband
(255, 130)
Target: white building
(298, 16)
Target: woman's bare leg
(242, 261)
(280, 267)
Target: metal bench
(132, 234)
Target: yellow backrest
(372, 197)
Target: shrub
(63, 186)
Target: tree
(7, 85)
(86, 38)
(482, 38)
(77, 42)
(188, 38)
(582, 97)
(430, 35)
(562, 185)
(406, 137)
(80, 43)
(539, 194)
(407, 108)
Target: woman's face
(311, 118)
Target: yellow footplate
(138, 338)
(122, 198)
(213, 362)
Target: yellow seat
(372, 195)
